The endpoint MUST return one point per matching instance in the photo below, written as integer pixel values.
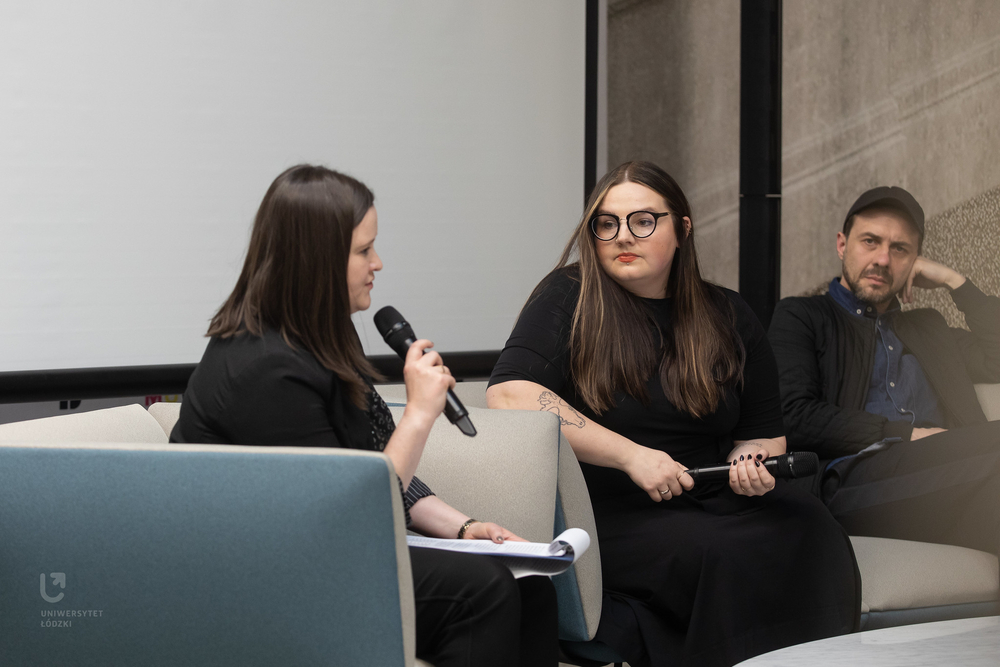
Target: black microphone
(792, 464)
(398, 335)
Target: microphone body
(398, 335)
(790, 465)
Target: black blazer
(259, 390)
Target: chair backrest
(989, 398)
(521, 473)
(201, 554)
(506, 474)
(129, 423)
(472, 394)
(166, 415)
(580, 589)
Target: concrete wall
(885, 93)
(966, 238)
(875, 92)
(674, 99)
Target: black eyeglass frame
(628, 223)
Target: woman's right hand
(658, 474)
(427, 380)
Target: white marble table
(969, 642)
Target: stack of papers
(523, 558)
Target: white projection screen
(137, 139)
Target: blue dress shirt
(898, 389)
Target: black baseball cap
(891, 197)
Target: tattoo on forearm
(567, 415)
(749, 443)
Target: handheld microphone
(792, 464)
(398, 335)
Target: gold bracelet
(465, 527)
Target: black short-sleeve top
(538, 351)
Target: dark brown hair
(294, 279)
(612, 345)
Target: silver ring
(663, 493)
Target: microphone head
(386, 318)
(394, 329)
(803, 464)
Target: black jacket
(825, 358)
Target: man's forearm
(980, 345)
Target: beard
(874, 296)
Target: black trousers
(471, 612)
(944, 488)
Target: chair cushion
(900, 574)
(129, 423)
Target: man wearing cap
(886, 397)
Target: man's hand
(928, 274)
(924, 432)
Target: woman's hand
(657, 474)
(427, 381)
(484, 530)
(747, 474)
(434, 517)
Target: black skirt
(719, 578)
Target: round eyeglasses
(640, 223)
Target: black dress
(709, 577)
(259, 390)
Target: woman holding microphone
(652, 371)
(285, 367)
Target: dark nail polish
(741, 457)
(757, 463)
(734, 462)
(760, 458)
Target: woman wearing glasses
(284, 366)
(652, 371)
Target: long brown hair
(613, 347)
(294, 278)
